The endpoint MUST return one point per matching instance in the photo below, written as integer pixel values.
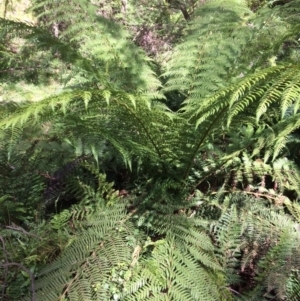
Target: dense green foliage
(150, 156)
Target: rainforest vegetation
(150, 150)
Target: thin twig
(8, 264)
(5, 265)
(17, 228)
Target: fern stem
(145, 129)
(207, 132)
(256, 194)
(208, 175)
(62, 296)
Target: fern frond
(81, 272)
(220, 44)
(164, 275)
(257, 241)
(110, 108)
(203, 60)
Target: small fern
(259, 243)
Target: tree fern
(229, 138)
